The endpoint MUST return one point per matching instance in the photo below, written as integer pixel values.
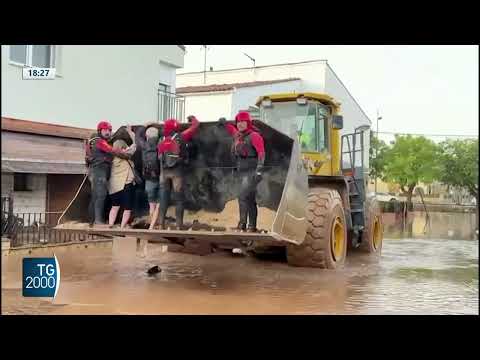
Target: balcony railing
(170, 105)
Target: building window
(20, 182)
(43, 56)
(322, 138)
(18, 54)
(170, 105)
(308, 139)
(163, 88)
(322, 127)
(33, 55)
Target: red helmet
(104, 125)
(170, 126)
(244, 116)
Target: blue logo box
(41, 277)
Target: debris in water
(238, 251)
(154, 270)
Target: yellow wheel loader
(312, 198)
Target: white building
(210, 102)
(44, 122)
(227, 91)
(93, 82)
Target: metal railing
(38, 228)
(30, 228)
(7, 204)
(352, 154)
(8, 223)
(170, 105)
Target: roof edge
(195, 89)
(43, 128)
(349, 93)
(211, 92)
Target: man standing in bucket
(173, 156)
(249, 151)
(99, 157)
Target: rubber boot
(99, 193)
(243, 207)
(162, 211)
(241, 226)
(91, 211)
(99, 210)
(252, 229)
(179, 209)
(252, 214)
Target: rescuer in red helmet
(173, 156)
(99, 157)
(249, 151)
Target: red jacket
(170, 145)
(255, 137)
(104, 146)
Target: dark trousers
(172, 178)
(98, 177)
(247, 199)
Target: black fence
(170, 106)
(8, 223)
(31, 228)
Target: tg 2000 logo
(41, 277)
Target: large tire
(325, 245)
(372, 236)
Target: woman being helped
(121, 185)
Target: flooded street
(413, 276)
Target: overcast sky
(418, 89)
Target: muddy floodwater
(412, 276)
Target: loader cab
(312, 120)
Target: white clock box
(35, 73)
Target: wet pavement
(413, 276)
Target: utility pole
(205, 65)
(376, 150)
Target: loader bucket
(212, 187)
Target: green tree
(459, 164)
(411, 160)
(378, 150)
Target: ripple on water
(411, 277)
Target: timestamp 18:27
(42, 72)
